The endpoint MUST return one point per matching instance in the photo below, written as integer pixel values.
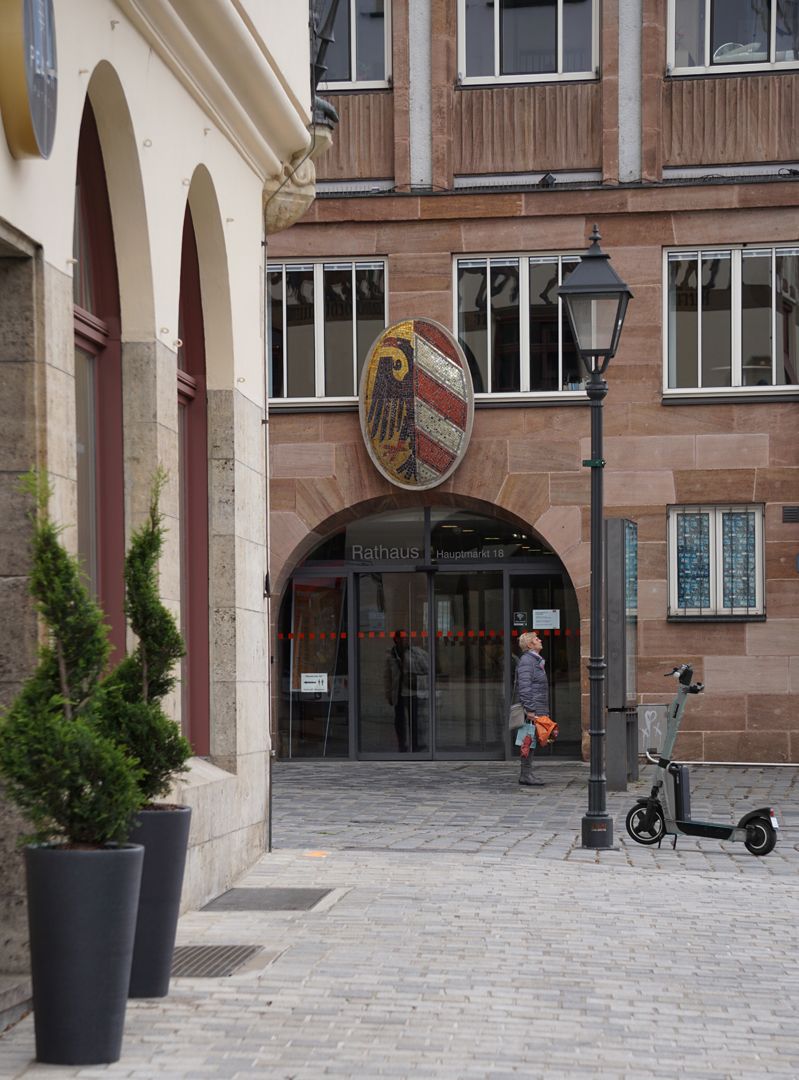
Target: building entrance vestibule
(397, 639)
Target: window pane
(693, 561)
(544, 313)
(739, 31)
(300, 332)
(274, 295)
(787, 318)
(577, 36)
(689, 33)
(756, 319)
(787, 30)
(739, 571)
(370, 42)
(572, 365)
(505, 372)
(683, 359)
(716, 320)
(472, 322)
(338, 331)
(370, 308)
(528, 36)
(479, 38)
(338, 52)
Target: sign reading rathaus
(416, 404)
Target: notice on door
(546, 618)
(313, 682)
(520, 618)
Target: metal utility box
(621, 650)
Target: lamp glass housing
(596, 322)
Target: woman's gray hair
(526, 640)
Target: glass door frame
(540, 565)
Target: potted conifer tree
(79, 789)
(138, 722)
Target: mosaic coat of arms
(416, 404)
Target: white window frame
(714, 610)
(709, 68)
(735, 251)
(524, 260)
(332, 86)
(319, 266)
(550, 76)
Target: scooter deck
(706, 828)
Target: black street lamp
(596, 299)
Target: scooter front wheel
(760, 836)
(646, 825)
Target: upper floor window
(322, 318)
(527, 40)
(512, 325)
(732, 318)
(732, 35)
(360, 55)
(716, 561)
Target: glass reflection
(300, 331)
(528, 36)
(338, 331)
(544, 316)
(473, 320)
(756, 305)
(370, 43)
(577, 35)
(787, 320)
(689, 33)
(505, 359)
(716, 320)
(479, 38)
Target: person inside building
(533, 690)
(406, 686)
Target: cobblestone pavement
(467, 935)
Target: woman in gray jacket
(533, 690)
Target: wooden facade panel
(363, 142)
(731, 120)
(519, 129)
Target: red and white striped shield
(416, 404)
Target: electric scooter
(667, 811)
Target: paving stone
(468, 935)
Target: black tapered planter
(82, 919)
(165, 836)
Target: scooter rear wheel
(760, 836)
(643, 831)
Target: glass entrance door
(394, 669)
(470, 664)
(540, 602)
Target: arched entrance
(397, 638)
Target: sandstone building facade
(478, 145)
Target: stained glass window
(716, 561)
(693, 561)
(739, 570)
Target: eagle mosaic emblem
(416, 404)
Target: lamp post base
(597, 831)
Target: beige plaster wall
(166, 140)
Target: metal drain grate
(267, 900)
(209, 961)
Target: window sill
(489, 82)
(349, 87)
(720, 70)
(736, 394)
(715, 618)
